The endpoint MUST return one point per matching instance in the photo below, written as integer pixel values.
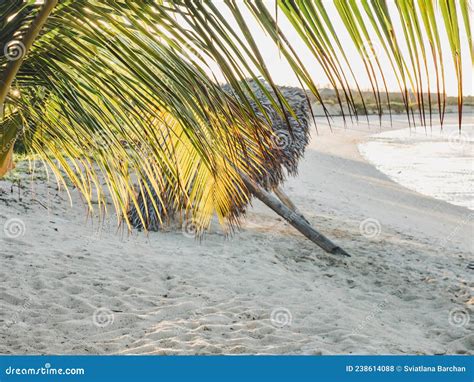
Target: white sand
(406, 289)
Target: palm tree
(122, 90)
(288, 147)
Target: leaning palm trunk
(294, 218)
(105, 72)
(289, 144)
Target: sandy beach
(68, 286)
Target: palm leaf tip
(106, 72)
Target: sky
(283, 75)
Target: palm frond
(114, 94)
(96, 80)
(420, 32)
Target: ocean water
(438, 163)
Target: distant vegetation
(396, 102)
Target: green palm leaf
(117, 93)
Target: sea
(435, 161)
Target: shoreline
(70, 289)
(434, 163)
